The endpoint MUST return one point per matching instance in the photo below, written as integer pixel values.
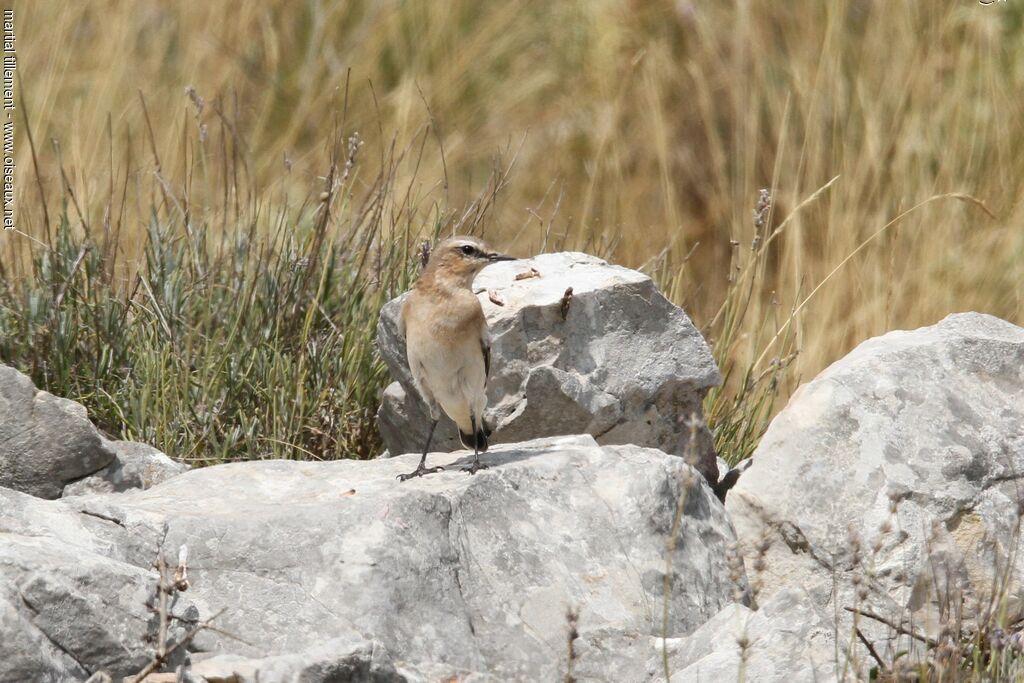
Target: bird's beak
(500, 257)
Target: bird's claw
(475, 467)
(419, 472)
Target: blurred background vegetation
(217, 197)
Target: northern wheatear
(448, 344)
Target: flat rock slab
(450, 573)
(619, 361)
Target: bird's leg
(476, 466)
(421, 469)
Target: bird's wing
(401, 319)
(485, 346)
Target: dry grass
(644, 131)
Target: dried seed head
(945, 651)
(354, 143)
(734, 561)
(897, 495)
(997, 639)
(197, 100)
(764, 203)
(424, 253)
(854, 544)
(761, 210)
(181, 572)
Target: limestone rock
(340, 659)
(624, 365)
(69, 604)
(25, 652)
(931, 420)
(788, 639)
(475, 572)
(135, 466)
(45, 441)
(452, 573)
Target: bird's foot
(419, 472)
(475, 467)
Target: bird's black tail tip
(476, 441)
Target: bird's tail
(477, 440)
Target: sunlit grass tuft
(252, 338)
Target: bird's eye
(468, 249)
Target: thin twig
(563, 308)
(167, 586)
(164, 589)
(71, 276)
(35, 160)
(891, 624)
(572, 617)
(685, 484)
(771, 238)
(951, 195)
(437, 134)
(871, 649)
(158, 660)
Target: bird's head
(461, 258)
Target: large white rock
(625, 365)
(450, 573)
(932, 418)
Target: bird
(448, 343)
